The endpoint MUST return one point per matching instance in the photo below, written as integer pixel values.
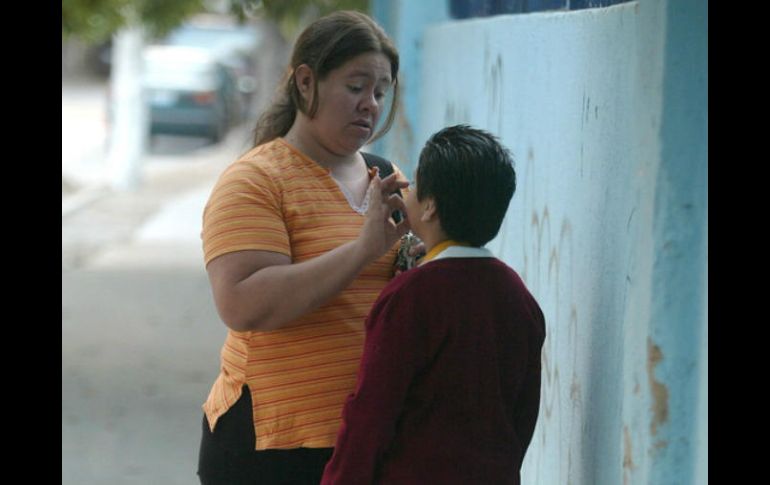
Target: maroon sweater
(449, 386)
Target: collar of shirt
(454, 249)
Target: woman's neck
(301, 138)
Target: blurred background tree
(95, 21)
(128, 24)
(292, 15)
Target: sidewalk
(96, 217)
(140, 333)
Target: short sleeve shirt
(274, 198)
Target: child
(449, 386)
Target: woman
(298, 242)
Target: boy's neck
(432, 237)
(439, 248)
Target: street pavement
(140, 333)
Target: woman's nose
(369, 103)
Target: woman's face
(350, 103)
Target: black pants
(227, 456)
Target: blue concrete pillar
(405, 22)
(678, 318)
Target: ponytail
(277, 119)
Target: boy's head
(465, 181)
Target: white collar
(463, 252)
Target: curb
(77, 201)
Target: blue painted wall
(605, 111)
(405, 21)
(680, 270)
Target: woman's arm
(263, 290)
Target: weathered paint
(605, 112)
(679, 267)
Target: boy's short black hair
(470, 176)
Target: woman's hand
(380, 232)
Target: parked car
(188, 92)
(235, 46)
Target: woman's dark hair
(325, 45)
(470, 176)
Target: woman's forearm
(275, 296)
(270, 293)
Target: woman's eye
(355, 89)
(379, 96)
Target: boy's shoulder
(413, 280)
(444, 271)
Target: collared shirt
(454, 249)
(449, 386)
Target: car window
(179, 68)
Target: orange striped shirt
(274, 198)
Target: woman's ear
(304, 80)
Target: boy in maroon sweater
(449, 386)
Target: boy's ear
(429, 213)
